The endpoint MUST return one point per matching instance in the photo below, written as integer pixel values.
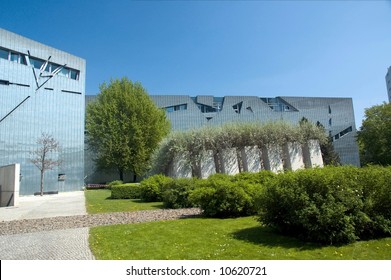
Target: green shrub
(376, 182)
(152, 188)
(327, 205)
(221, 196)
(114, 183)
(126, 191)
(177, 193)
(262, 177)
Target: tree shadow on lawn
(266, 236)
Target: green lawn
(98, 201)
(219, 239)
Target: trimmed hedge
(329, 205)
(126, 191)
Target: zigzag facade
(335, 114)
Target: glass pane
(36, 63)
(64, 72)
(53, 66)
(74, 74)
(3, 54)
(23, 59)
(15, 57)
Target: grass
(99, 201)
(219, 239)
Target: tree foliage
(40, 157)
(124, 127)
(374, 137)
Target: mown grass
(99, 201)
(219, 239)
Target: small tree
(40, 157)
(374, 137)
(124, 127)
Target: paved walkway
(68, 244)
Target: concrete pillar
(312, 154)
(207, 164)
(229, 161)
(272, 158)
(9, 185)
(181, 167)
(293, 156)
(251, 157)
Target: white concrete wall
(251, 158)
(181, 167)
(229, 161)
(272, 158)
(207, 164)
(293, 156)
(9, 185)
(312, 154)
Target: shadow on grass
(265, 236)
(138, 201)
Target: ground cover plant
(100, 201)
(220, 239)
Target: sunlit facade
(38, 97)
(186, 112)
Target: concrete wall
(291, 156)
(9, 185)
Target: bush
(152, 188)
(329, 205)
(376, 183)
(177, 193)
(221, 196)
(114, 183)
(126, 191)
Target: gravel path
(86, 221)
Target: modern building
(42, 90)
(185, 112)
(388, 83)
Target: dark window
(74, 74)
(3, 54)
(36, 63)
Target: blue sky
(261, 48)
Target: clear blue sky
(261, 48)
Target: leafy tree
(124, 127)
(40, 157)
(374, 137)
(329, 155)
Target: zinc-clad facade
(335, 114)
(186, 112)
(57, 108)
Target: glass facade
(26, 113)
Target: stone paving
(66, 244)
(57, 227)
(69, 244)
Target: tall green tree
(124, 127)
(374, 137)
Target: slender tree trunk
(42, 177)
(121, 174)
(134, 177)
